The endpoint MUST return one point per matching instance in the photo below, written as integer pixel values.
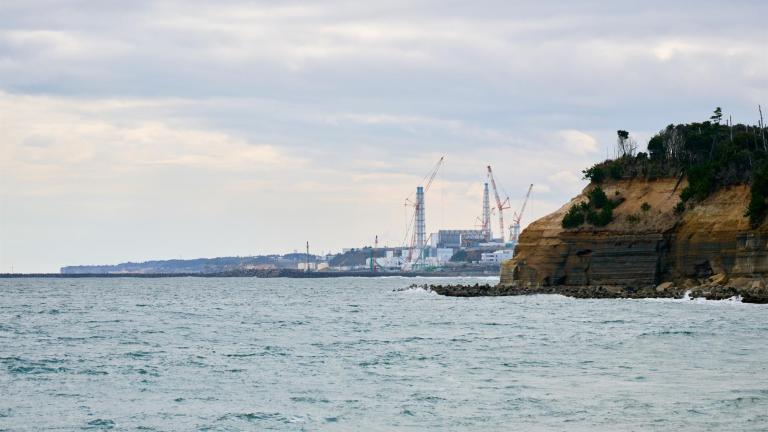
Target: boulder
(664, 287)
(690, 283)
(718, 279)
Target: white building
(498, 256)
(491, 244)
(386, 263)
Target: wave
(496, 278)
(20, 366)
(259, 417)
(735, 300)
(101, 424)
(415, 291)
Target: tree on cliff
(717, 116)
(626, 145)
(656, 148)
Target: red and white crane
(517, 216)
(418, 239)
(501, 205)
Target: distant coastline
(271, 273)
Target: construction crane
(501, 205)
(517, 216)
(434, 173)
(418, 239)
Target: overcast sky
(135, 130)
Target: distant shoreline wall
(257, 274)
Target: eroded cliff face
(651, 247)
(715, 238)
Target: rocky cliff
(709, 248)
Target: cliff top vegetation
(711, 154)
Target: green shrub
(680, 207)
(616, 170)
(598, 211)
(595, 174)
(591, 216)
(606, 216)
(600, 218)
(757, 207)
(701, 181)
(633, 219)
(686, 194)
(645, 207)
(574, 217)
(597, 198)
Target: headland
(688, 216)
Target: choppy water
(351, 354)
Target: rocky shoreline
(717, 287)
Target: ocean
(357, 354)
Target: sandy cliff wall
(713, 237)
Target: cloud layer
(137, 130)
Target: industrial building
(424, 251)
(390, 262)
(496, 257)
(457, 238)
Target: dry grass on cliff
(662, 195)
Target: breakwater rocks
(714, 288)
(569, 291)
(601, 292)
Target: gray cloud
(350, 98)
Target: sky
(137, 130)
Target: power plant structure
(419, 238)
(421, 227)
(423, 251)
(486, 222)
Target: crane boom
(501, 205)
(525, 203)
(434, 173)
(518, 216)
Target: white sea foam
(493, 278)
(418, 290)
(735, 300)
(484, 278)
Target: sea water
(354, 354)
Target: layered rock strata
(709, 249)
